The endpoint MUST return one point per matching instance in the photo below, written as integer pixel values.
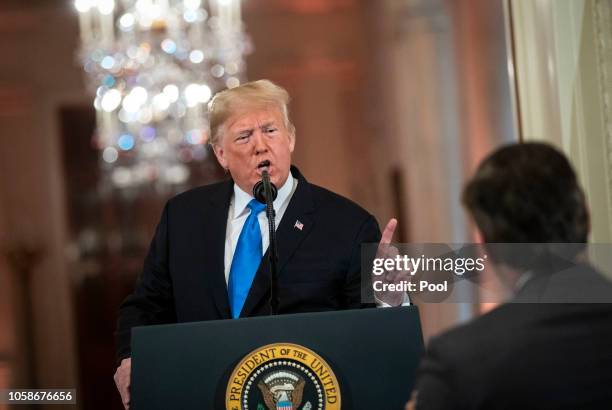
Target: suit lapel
(293, 229)
(214, 240)
(296, 223)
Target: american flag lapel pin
(298, 225)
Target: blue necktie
(247, 258)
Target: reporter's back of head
(527, 193)
(527, 197)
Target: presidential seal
(282, 376)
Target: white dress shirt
(238, 214)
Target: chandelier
(153, 66)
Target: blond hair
(253, 95)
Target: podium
(352, 359)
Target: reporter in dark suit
(527, 355)
(205, 261)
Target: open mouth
(263, 165)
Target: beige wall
(446, 103)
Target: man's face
(254, 140)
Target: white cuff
(381, 304)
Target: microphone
(265, 192)
(260, 191)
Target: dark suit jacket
(526, 355)
(183, 278)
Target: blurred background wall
(395, 103)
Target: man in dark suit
(539, 351)
(207, 261)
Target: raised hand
(386, 250)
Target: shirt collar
(242, 199)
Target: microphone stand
(265, 192)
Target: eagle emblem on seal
(282, 390)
